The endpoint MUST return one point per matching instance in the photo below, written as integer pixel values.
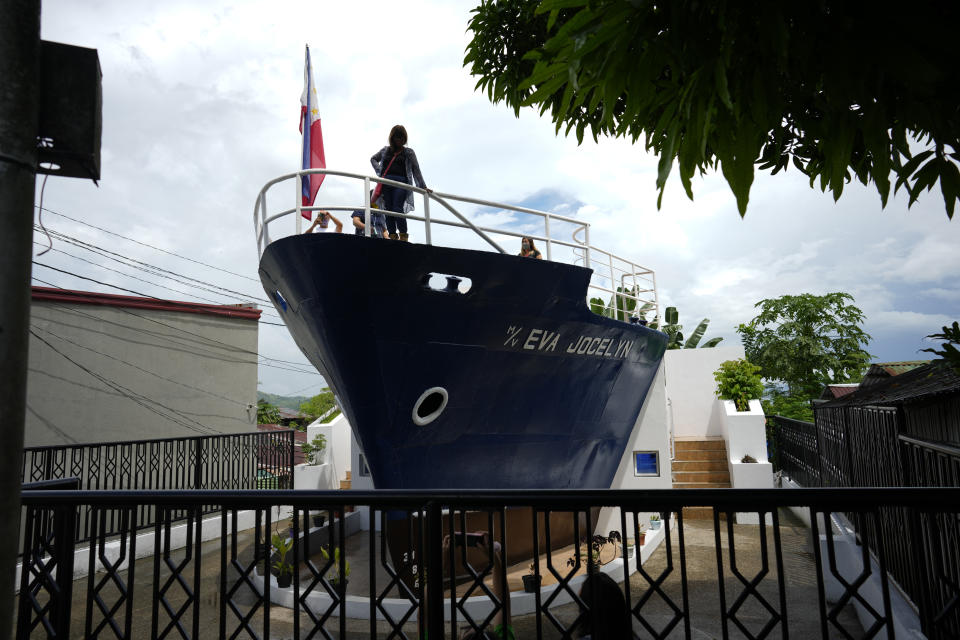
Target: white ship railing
(624, 287)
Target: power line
(190, 333)
(128, 275)
(149, 246)
(143, 295)
(151, 268)
(130, 394)
(139, 368)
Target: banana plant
(674, 331)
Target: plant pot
(340, 586)
(531, 582)
(655, 524)
(285, 580)
(319, 520)
(642, 539)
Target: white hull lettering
(604, 348)
(547, 341)
(531, 341)
(592, 349)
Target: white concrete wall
(339, 439)
(746, 435)
(360, 482)
(200, 371)
(692, 389)
(651, 433)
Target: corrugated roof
(880, 371)
(933, 379)
(840, 390)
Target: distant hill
(287, 402)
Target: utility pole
(19, 109)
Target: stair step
(344, 485)
(348, 475)
(700, 465)
(699, 445)
(701, 476)
(701, 485)
(707, 454)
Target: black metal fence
(864, 447)
(256, 460)
(217, 588)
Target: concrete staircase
(700, 464)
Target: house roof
(932, 379)
(50, 294)
(833, 391)
(289, 414)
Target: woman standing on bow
(397, 162)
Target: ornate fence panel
(441, 579)
(798, 449)
(258, 460)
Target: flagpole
(304, 123)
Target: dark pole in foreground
(19, 108)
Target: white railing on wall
(618, 282)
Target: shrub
(738, 380)
(312, 451)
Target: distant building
(880, 371)
(107, 367)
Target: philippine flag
(312, 138)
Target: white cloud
(200, 110)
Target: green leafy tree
(807, 341)
(739, 85)
(267, 413)
(318, 405)
(948, 352)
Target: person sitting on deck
(528, 250)
(323, 221)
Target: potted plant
(740, 381)
(338, 582)
(655, 521)
(281, 566)
(641, 538)
(319, 518)
(313, 451)
(531, 581)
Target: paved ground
(701, 570)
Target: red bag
(379, 187)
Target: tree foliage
(267, 413)
(840, 90)
(807, 341)
(318, 405)
(948, 352)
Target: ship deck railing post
(616, 299)
(586, 245)
(546, 227)
(368, 221)
(426, 218)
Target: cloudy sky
(201, 104)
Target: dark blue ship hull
(542, 393)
